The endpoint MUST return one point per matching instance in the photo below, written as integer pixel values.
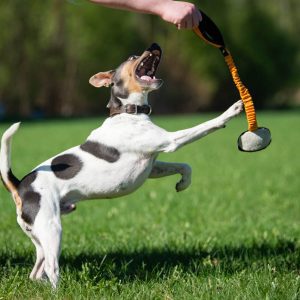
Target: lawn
(234, 234)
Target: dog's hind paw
(182, 185)
(185, 181)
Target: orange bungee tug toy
(255, 138)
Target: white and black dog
(115, 160)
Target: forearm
(141, 6)
(180, 13)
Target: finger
(199, 15)
(189, 23)
(182, 25)
(196, 20)
(178, 26)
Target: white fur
(135, 98)
(6, 148)
(139, 142)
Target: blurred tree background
(49, 49)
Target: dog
(115, 160)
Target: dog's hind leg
(162, 169)
(48, 231)
(38, 269)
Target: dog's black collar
(131, 109)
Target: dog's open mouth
(146, 69)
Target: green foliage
(49, 50)
(266, 53)
(269, 51)
(234, 234)
(57, 46)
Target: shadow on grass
(147, 264)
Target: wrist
(159, 7)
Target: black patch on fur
(66, 166)
(117, 90)
(31, 206)
(101, 151)
(28, 180)
(114, 102)
(12, 178)
(30, 198)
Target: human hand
(184, 15)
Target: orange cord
(244, 94)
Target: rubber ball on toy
(251, 141)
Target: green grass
(234, 234)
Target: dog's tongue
(146, 78)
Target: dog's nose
(154, 47)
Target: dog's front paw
(237, 107)
(233, 110)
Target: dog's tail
(10, 181)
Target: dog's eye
(132, 57)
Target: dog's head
(133, 79)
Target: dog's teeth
(142, 64)
(150, 54)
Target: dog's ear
(102, 79)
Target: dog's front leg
(182, 137)
(162, 169)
